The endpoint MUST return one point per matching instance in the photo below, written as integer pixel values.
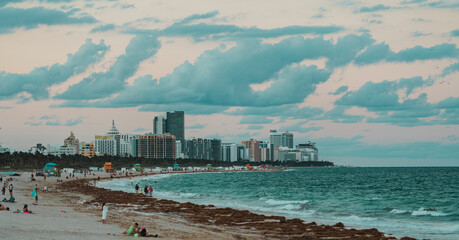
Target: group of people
(8, 184)
(136, 231)
(147, 190)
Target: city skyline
(372, 83)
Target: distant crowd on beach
(7, 184)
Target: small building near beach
(50, 168)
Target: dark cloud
(103, 28)
(29, 18)
(375, 8)
(100, 85)
(251, 119)
(37, 82)
(339, 91)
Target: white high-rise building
(106, 145)
(232, 152)
(159, 125)
(275, 139)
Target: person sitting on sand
(12, 199)
(26, 209)
(3, 208)
(133, 229)
(143, 233)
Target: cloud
(298, 128)
(450, 69)
(420, 34)
(140, 130)
(70, 122)
(255, 127)
(255, 120)
(205, 31)
(382, 52)
(381, 95)
(103, 28)
(338, 91)
(384, 100)
(196, 126)
(356, 147)
(37, 82)
(450, 102)
(199, 17)
(33, 124)
(375, 8)
(338, 115)
(224, 78)
(100, 85)
(54, 121)
(412, 1)
(29, 18)
(48, 117)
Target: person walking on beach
(3, 188)
(151, 191)
(104, 212)
(137, 188)
(145, 190)
(35, 194)
(10, 188)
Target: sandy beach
(72, 210)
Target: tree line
(24, 161)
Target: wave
(425, 211)
(285, 202)
(397, 211)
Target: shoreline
(270, 227)
(175, 220)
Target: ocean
(420, 202)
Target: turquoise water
(415, 202)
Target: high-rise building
(157, 146)
(200, 148)
(116, 136)
(71, 141)
(232, 152)
(275, 138)
(58, 150)
(254, 146)
(310, 150)
(159, 125)
(175, 124)
(287, 139)
(106, 145)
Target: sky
(372, 83)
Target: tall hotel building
(158, 146)
(255, 150)
(159, 125)
(175, 124)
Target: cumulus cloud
(196, 126)
(255, 120)
(103, 28)
(37, 82)
(223, 78)
(103, 84)
(379, 7)
(383, 99)
(340, 90)
(29, 18)
(382, 52)
(54, 120)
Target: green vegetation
(20, 160)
